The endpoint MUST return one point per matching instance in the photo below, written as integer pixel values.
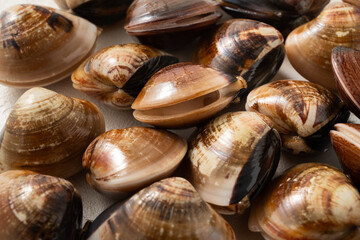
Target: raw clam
(246, 48)
(48, 132)
(285, 15)
(41, 45)
(345, 63)
(98, 11)
(171, 23)
(346, 141)
(302, 112)
(309, 46)
(232, 158)
(310, 201)
(183, 94)
(35, 206)
(168, 209)
(119, 162)
(116, 74)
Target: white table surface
(93, 202)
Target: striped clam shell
(244, 48)
(309, 201)
(168, 209)
(302, 112)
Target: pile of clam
(247, 123)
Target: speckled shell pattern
(40, 45)
(116, 74)
(35, 206)
(246, 48)
(232, 158)
(122, 161)
(169, 209)
(309, 46)
(300, 110)
(309, 201)
(346, 142)
(184, 94)
(47, 132)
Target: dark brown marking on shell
(54, 19)
(8, 37)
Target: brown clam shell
(41, 45)
(116, 74)
(309, 201)
(121, 161)
(309, 46)
(47, 132)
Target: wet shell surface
(184, 94)
(232, 158)
(309, 46)
(35, 206)
(245, 48)
(116, 74)
(168, 209)
(346, 141)
(47, 132)
(121, 161)
(345, 63)
(302, 112)
(41, 45)
(310, 201)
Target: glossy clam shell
(309, 46)
(121, 161)
(299, 109)
(282, 14)
(168, 209)
(232, 158)
(35, 206)
(246, 48)
(41, 45)
(47, 132)
(184, 94)
(116, 74)
(310, 201)
(345, 63)
(346, 141)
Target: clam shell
(121, 161)
(116, 74)
(41, 45)
(35, 206)
(48, 132)
(232, 158)
(246, 48)
(310, 201)
(169, 209)
(184, 94)
(346, 141)
(309, 46)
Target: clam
(345, 63)
(159, 23)
(168, 209)
(309, 201)
(121, 161)
(35, 206)
(302, 112)
(116, 74)
(97, 11)
(183, 94)
(41, 45)
(232, 158)
(47, 132)
(346, 141)
(285, 15)
(246, 48)
(309, 46)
